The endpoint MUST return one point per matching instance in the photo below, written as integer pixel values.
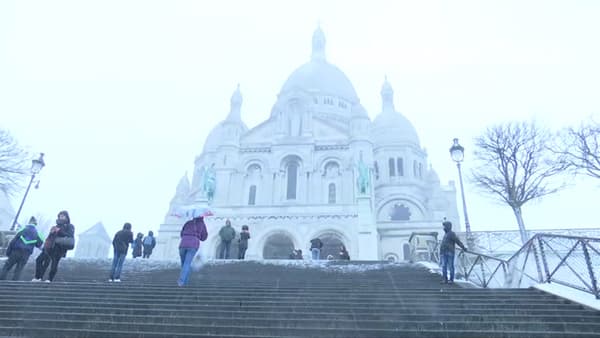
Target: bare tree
(516, 165)
(581, 148)
(13, 162)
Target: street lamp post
(457, 152)
(36, 165)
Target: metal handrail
(572, 261)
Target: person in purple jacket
(192, 233)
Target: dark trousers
(242, 252)
(18, 258)
(147, 251)
(225, 246)
(44, 259)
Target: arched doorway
(278, 246)
(331, 245)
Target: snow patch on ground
(337, 266)
(433, 267)
(571, 294)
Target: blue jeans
(225, 246)
(117, 266)
(447, 263)
(316, 253)
(186, 255)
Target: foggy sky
(121, 95)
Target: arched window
(292, 176)
(331, 193)
(400, 167)
(392, 167)
(415, 169)
(420, 170)
(252, 195)
(399, 212)
(376, 170)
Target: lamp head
(37, 164)
(457, 152)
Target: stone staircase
(298, 299)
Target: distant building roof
(97, 231)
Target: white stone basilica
(297, 175)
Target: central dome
(319, 76)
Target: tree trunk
(522, 232)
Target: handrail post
(538, 265)
(544, 260)
(588, 263)
(485, 282)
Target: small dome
(432, 176)
(390, 127)
(226, 132)
(213, 139)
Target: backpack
(148, 240)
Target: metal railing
(572, 261)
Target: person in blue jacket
(20, 248)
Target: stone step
(15, 331)
(299, 300)
(170, 287)
(160, 315)
(325, 307)
(307, 329)
(200, 309)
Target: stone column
(368, 238)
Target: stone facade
(298, 174)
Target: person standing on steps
(20, 248)
(227, 234)
(149, 244)
(243, 242)
(447, 249)
(192, 233)
(315, 248)
(120, 245)
(137, 245)
(60, 240)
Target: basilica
(317, 167)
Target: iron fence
(572, 261)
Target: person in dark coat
(20, 248)
(227, 234)
(344, 255)
(53, 252)
(193, 232)
(243, 242)
(447, 252)
(120, 245)
(149, 244)
(137, 245)
(315, 247)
